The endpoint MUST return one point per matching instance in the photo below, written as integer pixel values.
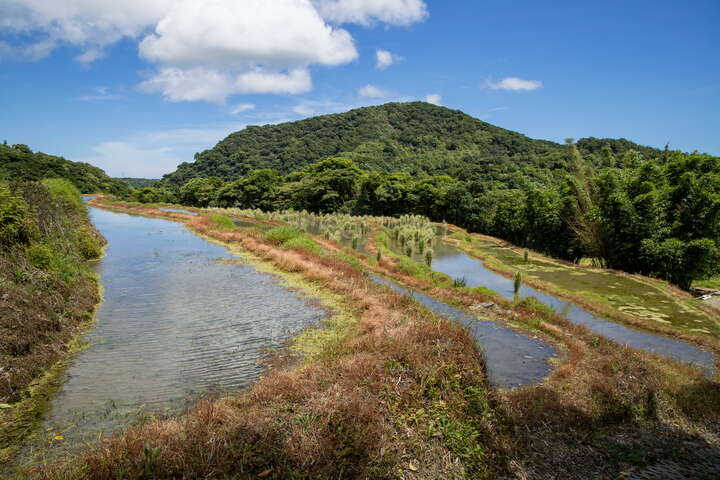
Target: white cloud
(100, 94)
(384, 59)
(242, 108)
(90, 25)
(32, 52)
(207, 49)
(434, 98)
(372, 91)
(515, 84)
(366, 12)
(178, 84)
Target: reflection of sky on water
(457, 264)
(512, 359)
(175, 323)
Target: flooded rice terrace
(178, 320)
(512, 359)
(457, 264)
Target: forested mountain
(20, 163)
(139, 182)
(417, 138)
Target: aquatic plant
(222, 222)
(460, 282)
(517, 283)
(280, 235)
(301, 243)
(429, 258)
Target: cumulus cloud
(434, 98)
(242, 108)
(222, 33)
(372, 91)
(367, 12)
(207, 49)
(178, 84)
(90, 25)
(384, 59)
(516, 84)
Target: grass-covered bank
(402, 394)
(646, 303)
(48, 293)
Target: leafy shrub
(302, 243)
(17, 223)
(533, 304)
(40, 256)
(280, 235)
(62, 189)
(222, 222)
(88, 243)
(482, 290)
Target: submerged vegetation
(48, 293)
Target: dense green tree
(199, 192)
(259, 189)
(327, 186)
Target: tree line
(652, 212)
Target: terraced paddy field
(643, 298)
(413, 382)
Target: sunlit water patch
(176, 322)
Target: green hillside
(20, 163)
(139, 182)
(418, 138)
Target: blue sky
(140, 86)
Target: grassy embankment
(642, 302)
(400, 393)
(48, 294)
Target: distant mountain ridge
(416, 137)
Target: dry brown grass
(337, 417)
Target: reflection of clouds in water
(175, 323)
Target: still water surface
(458, 264)
(179, 319)
(512, 359)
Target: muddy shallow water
(178, 320)
(458, 264)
